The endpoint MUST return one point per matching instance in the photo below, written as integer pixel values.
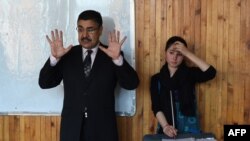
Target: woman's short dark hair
(91, 15)
(173, 39)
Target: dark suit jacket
(96, 93)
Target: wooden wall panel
(217, 31)
(1, 128)
(246, 46)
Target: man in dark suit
(88, 112)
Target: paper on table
(206, 139)
(183, 139)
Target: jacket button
(85, 112)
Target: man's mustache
(86, 39)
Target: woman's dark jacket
(183, 80)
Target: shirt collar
(93, 49)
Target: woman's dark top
(182, 87)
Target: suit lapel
(97, 66)
(97, 63)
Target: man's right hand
(56, 44)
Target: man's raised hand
(56, 44)
(114, 45)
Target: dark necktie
(87, 63)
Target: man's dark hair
(91, 15)
(173, 39)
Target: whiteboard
(24, 50)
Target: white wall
(24, 49)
